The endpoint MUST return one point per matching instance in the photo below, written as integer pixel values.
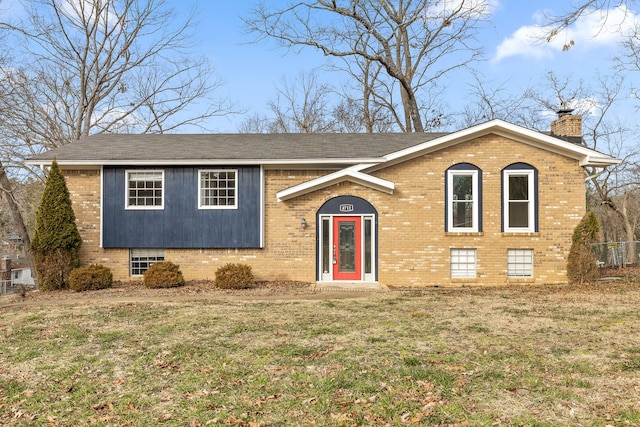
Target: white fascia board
(199, 162)
(442, 142)
(599, 161)
(350, 174)
(586, 156)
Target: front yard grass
(542, 356)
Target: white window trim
(532, 200)
(201, 206)
(126, 190)
(476, 202)
(457, 273)
(515, 254)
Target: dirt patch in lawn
(192, 291)
(617, 282)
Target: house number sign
(346, 208)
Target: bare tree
(485, 102)
(305, 105)
(612, 193)
(301, 105)
(615, 188)
(104, 66)
(557, 23)
(81, 67)
(416, 43)
(363, 108)
(255, 123)
(8, 194)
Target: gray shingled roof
(115, 148)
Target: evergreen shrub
(163, 274)
(582, 266)
(234, 276)
(56, 240)
(90, 277)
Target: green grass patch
(516, 356)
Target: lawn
(541, 356)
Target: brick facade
(414, 249)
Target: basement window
(141, 259)
(520, 263)
(463, 263)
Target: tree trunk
(628, 230)
(6, 192)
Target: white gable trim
(350, 174)
(585, 156)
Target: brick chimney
(5, 268)
(567, 125)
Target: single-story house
(492, 204)
(21, 275)
(14, 271)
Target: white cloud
(593, 30)
(523, 43)
(86, 12)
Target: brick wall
(418, 246)
(413, 246)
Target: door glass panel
(367, 245)
(347, 242)
(326, 259)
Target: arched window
(519, 198)
(463, 207)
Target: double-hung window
(463, 198)
(145, 189)
(218, 189)
(519, 199)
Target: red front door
(347, 248)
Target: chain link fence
(617, 254)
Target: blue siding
(181, 224)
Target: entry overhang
(351, 175)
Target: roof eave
(343, 162)
(335, 178)
(585, 155)
(599, 161)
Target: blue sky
(252, 71)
